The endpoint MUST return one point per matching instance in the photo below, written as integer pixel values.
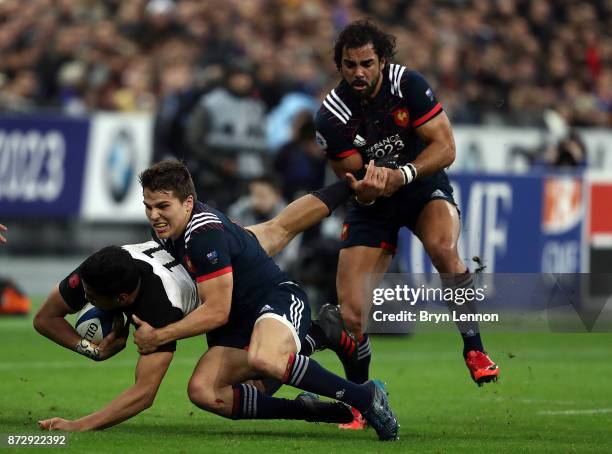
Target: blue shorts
(378, 225)
(286, 303)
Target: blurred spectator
(178, 96)
(262, 203)
(280, 127)
(226, 135)
(301, 163)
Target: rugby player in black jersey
(381, 110)
(142, 280)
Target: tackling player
(145, 281)
(253, 314)
(381, 110)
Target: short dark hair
(110, 272)
(169, 175)
(358, 34)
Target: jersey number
(164, 255)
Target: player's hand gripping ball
(95, 324)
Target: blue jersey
(378, 128)
(212, 245)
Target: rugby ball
(94, 324)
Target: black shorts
(378, 225)
(286, 303)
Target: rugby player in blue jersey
(255, 317)
(383, 111)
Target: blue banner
(42, 165)
(513, 224)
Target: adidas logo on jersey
(438, 193)
(267, 307)
(359, 141)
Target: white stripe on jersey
(296, 309)
(341, 103)
(197, 225)
(180, 288)
(198, 220)
(200, 217)
(395, 77)
(331, 109)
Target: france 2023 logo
(120, 165)
(563, 207)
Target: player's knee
(443, 255)
(265, 364)
(201, 395)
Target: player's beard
(369, 90)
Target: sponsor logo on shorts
(438, 194)
(266, 308)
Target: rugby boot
(380, 416)
(481, 367)
(338, 338)
(321, 411)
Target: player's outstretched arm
(311, 209)
(50, 321)
(296, 217)
(150, 372)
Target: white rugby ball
(94, 324)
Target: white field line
(594, 411)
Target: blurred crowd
(490, 60)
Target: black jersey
(381, 127)
(166, 294)
(212, 245)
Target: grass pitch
(554, 395)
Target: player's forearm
(58, 330)
(204, 319)
(125, 406)
(435, 157)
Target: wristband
(364, 204)
(409, 172)
(86, 348)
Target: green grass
(439, 407)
